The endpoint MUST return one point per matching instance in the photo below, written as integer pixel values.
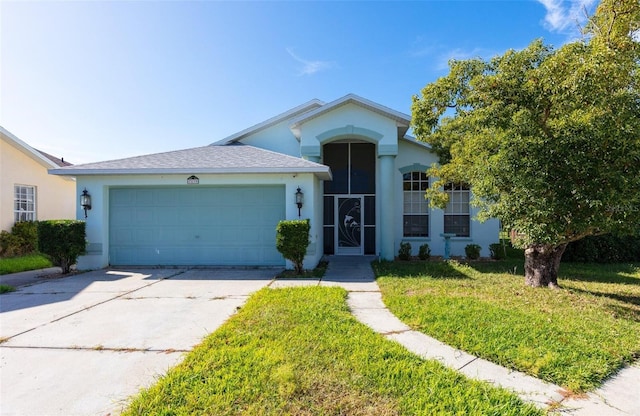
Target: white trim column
(386, 197)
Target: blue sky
(91, 81)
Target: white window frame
(24, 203)
(415, 205)
(458, 210)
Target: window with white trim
(24, 203)
(457, 217)
(416, 208)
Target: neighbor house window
(456, 213)
(24, 205)
(416, 207)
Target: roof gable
(402, 120)
(290, 114)
(42, 158)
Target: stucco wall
(55, 195)
(482, 234)
(277, 138)
(345, 121)
(98, 217)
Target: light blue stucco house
(362, 177)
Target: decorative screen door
(349, 222)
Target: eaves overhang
(26, 149)
(323, 174)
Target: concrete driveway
(82, 345)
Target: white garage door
(195, 225)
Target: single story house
(27, 191)
(362, 180)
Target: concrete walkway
(618, 396)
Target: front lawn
(575, 337)
(299, 351)
(24, 263)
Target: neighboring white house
(27, 191)
(362, 177)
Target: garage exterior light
(299, 200)
(85, 201)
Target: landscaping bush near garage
(63, 241)
(292, 240)
(299, 351)
(575, 337)
(604, 249)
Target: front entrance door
(350, 227)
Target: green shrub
(498, 251)
(606, 248)
(21, 241)
(10, 244)
(472, 251)
(292, 240)
(405, 251)
(62, 241)
(28, 231)
(424, 252)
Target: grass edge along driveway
(300, 351)
(575, 337)
(23, 263)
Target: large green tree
(548, 139)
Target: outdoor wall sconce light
(299, 200)
(85, 201)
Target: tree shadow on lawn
(632, 311)
(618, 273)
(430, 269)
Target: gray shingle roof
(56, 160)
(207, 159)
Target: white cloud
(310, 67)
(420, 48)
(566, 16)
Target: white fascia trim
(26, 149)
(351, 98)
(413, 140)
(324, 174)
(303, 108)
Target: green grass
(24, 263)
(299, 351)
(6, 289)
(575, 337)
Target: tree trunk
(541, 264)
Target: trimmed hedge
(606, 248)
(62, 241)
(404, 253)
(22, 240)
(424, 252)
(472, 251)
(292, 240)
(498, 251)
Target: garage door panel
(195, 225)
(123, 198)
